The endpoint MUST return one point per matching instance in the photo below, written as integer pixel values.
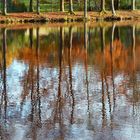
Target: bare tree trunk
(31, 6)
(133, 4)
(85, 9)
(52, 5)
(71, 6)
(38, 7)
(117, 4)
(113, 8)
(102, 5)
(62, 5)
(89, 8)
(4, 7)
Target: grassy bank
(66, 17)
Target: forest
(69, 6)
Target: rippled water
(71, 82)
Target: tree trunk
(102, 5)
(85, 9)
(89, 8)
(112, 8)
(4, 7)
(52, 5)
(31, 6)
(38, 7)
(71, 6)
(117, 4)
(133, 4)
(62, 9)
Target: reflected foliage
(57, 82)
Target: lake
(70, 82)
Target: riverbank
(66, 17)
(102, 24)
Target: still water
(70, 82)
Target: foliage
(53, 5)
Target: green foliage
(19, 7)
(54, 5)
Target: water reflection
(74, 82)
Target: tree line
(114, 5)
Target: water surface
(71, 82)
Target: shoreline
(60, 17)
(20, 26)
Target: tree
(31, 6)
(4, 7)
(89, 7)
(113, 8)
(117, 4)
(133, 4)
(71, 6)
(62, 5)
(102, 5)
(38, 6)
(85, 9)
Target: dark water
(75, 82)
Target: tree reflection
(104, 73)
(102, 30)
(103, 102)
(86, 40)
(4, 94)
(3, 103)
(136, 96)
(31, 37)
(60, 77)
(111, 56)
(112, 75)
(31, 85)
(70, 72)
(38, 77)
(36, 100)
(58, 113)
